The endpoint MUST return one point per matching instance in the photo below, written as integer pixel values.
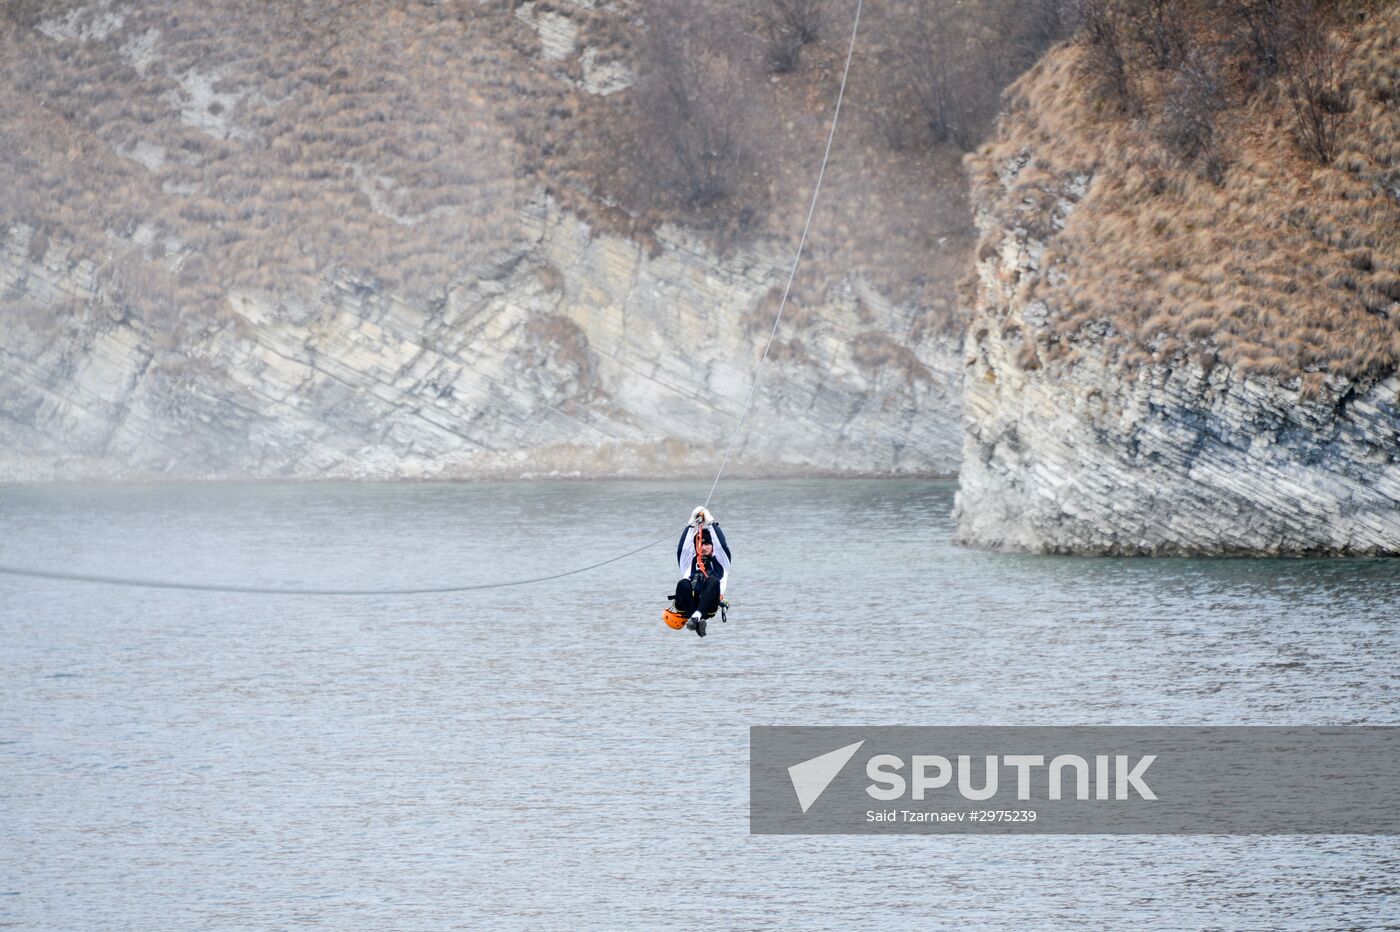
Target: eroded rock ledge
(1080, 455)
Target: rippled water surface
(552, 756)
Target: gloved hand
(701, 512)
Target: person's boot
(700, 624)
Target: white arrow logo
(811, 777)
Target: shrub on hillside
(1104, 62)
(955, 58)
(1159, 26)
(1311, 65)
(688, 110)
(787, 26)
(1044, 23)
(1257, 27)
(1187, 125)
(953, 74)
(1290, 40)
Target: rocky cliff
(572, 353)
(1167, 364)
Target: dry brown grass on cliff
(263, 148)
(1285, 267)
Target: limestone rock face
(573, 353)
(1080, 455)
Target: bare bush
(951, 77)
(1258, 30)
(1017, 33)
(1160, 26)
(1045, 22)
(956, 58)
(1291, 40)
(1104, 62)
(686, 98)
(1187, 126)
(1311, 64)
(788, 26)
(25, 13)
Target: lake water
(553, 756)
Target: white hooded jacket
(685, 552)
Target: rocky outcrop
(573, 353)
(1086, 451)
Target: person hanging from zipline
(704, 559)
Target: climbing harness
(136, 582)
(699, 553)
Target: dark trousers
(698, 592)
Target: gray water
(553, 756)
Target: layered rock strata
(574, 353)
(1088, 454)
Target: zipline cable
(140, 583)
(279, 590)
